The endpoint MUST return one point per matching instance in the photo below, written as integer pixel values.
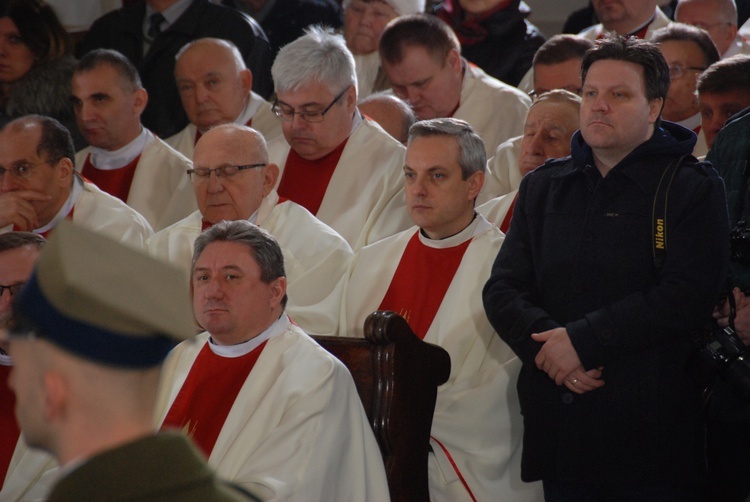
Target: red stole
(9, 431)
(505, 225)
(697, 129)
(115, 182)
(207, 395)
(306, 181)
(419, 284)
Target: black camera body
(724, 353)
(739, 242)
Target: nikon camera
(724, 353)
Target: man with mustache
(604, 276)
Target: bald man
(215, 87)
(719, 19)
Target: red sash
(205, 399)
(419, 284)
(508, 216)
(115, 182)
(306, 181)
(9, 431)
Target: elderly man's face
(565, 75)
(612, 12)
(616, 116)
(716, 108)
(213, 89)
(685, 60)
(705, 15)
(432, 87)
(230, 198)
(108, 114)
(230, 300)
(364, 22)
(43, 182)
(547, 132)
(439, 200)
(315, 140)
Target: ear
(246, 77)
(476, 182)
(351, 98)
(654, 109)
(141, 100)
(270, 176)
(64, 169)
(453, 60)
(278, 290)
(55, 395)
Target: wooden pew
(397, 376)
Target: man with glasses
(39, 186)
(234, 180)
(719, 19)
(688, 51)
(18, 254)
(422, 58)
(339, 165)
(123, 158)
(215, 87)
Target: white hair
(317, 56)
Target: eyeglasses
(13, 289)
(22, 171)
(677, 70)
(203, 173)
(287, 113)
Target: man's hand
(742, 318)
(557, 357)
(16, 208)
(581, 381)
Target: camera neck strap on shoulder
(659, 212)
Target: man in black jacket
(152, 42)
(598, 289)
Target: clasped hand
(559, 359)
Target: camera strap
(659, 212)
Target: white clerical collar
(251, 108)
(5, 360)
(108, 160)
(278, 327)
(64, 211)
(477, 226)
(691, 122)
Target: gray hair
(561, 96)
(220, 42)
(471, 155)
(262, 245)
(317, 56)
(15, 240)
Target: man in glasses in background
(39, 187)
(233, 180)
(334, 162)
(18, 254)
(688, 51)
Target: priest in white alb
(340, 166)
(123, 158)
(270, 408)
(432, 274)
(215, 87)
(233, 180)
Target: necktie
(154, 27)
